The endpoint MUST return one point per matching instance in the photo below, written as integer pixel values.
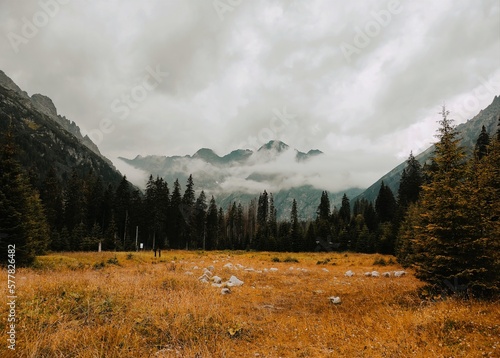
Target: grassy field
(135, 305)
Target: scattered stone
(216, 279)
(335, 300)
(386, 274)
(250, 269)
(228, 265)
(273, 269)
(368, 274)
(225, 291)
(325, 269)
(399, 273)
(203, 279)
(195, 268)
(375, 274)
(207, 272)
(234, 281)
(349, 273)
(188, 273)
(211, 268)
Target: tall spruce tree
(449, 250)
(296, 240)
(482, 144)
(211, 236)
(410, 185)
(345, 211)
(385, 204)
(175, 217)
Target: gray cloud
(227, 76)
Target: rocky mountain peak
(44, 104)
(6, 82)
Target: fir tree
(345, 210)
(211, 236)
(385, 204)
(410, 185)
(482, 144)
(296, 241)
(449, 246)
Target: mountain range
(47, 139)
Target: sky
(361, 81)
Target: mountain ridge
(469, 131)
(46, 139)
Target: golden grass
(91, 305)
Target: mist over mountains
(48, 138)
(243, 174)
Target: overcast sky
(362, 81)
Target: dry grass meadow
(135, 305)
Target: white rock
(325, 269)
(368, 274)
(225, 291)
(204, 278)
(188, 273)
(273, 269)
(217, 285)
(234, 281)
(386, 274)
(207, 272)
(349, 273)
(291, 268)
(211, 268)
(250, 269)
(195, 268)
(240, 266)
(228, 265)
(375, 274)
(216, 279)
(335, 300)
(399, 273)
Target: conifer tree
(296, 241)
(482, 144)
(410, 185)
(385, 204)
(199, 229)
(211, 236)
(22, 218)
(187, 210)
(449, 246)
(345, 210)
(323, 229)
(175, 223)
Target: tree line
(443, 220)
